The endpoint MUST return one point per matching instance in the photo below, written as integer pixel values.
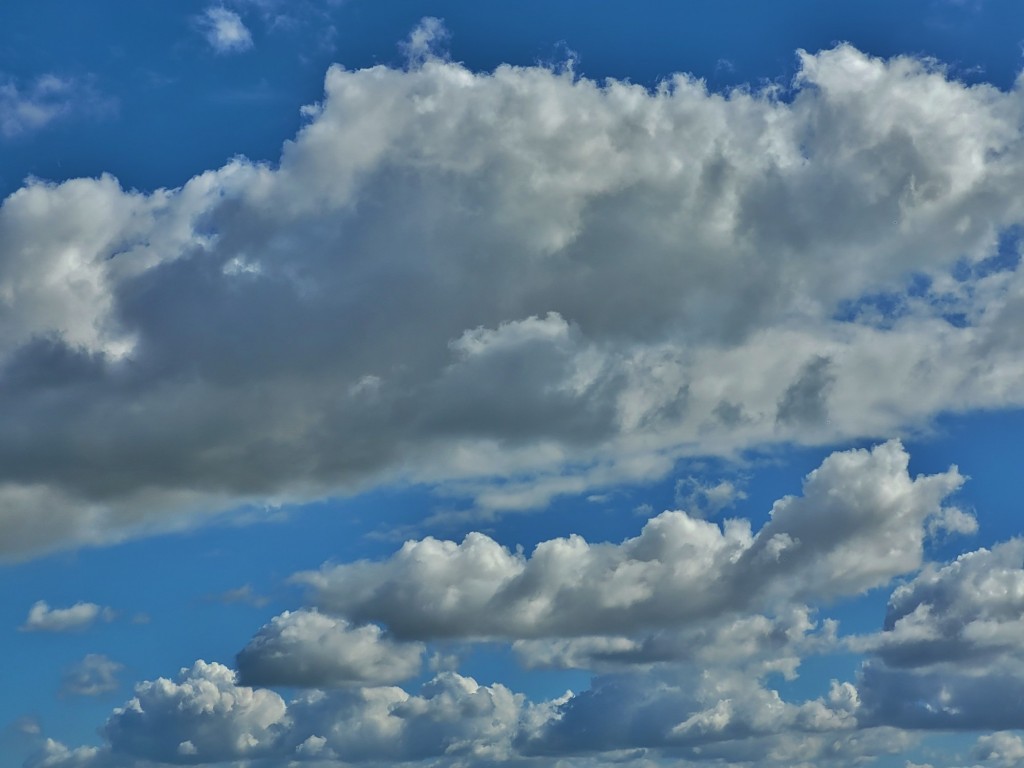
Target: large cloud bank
(454, 277)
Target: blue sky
(562, 383)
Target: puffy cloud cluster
(206, 717)
(457, 276)
(861, 521)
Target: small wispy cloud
(43, 618)
(94, 675)
(224, 30)
(27, 107)
(244, 595)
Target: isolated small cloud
(243, 595)
(43, 618)
(31, 106)
(94, 675)
(224, 30)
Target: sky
(511, 384)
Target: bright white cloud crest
(43, 618)
(455, 276)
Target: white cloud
(306, 648)
(56, 755)
(411, 293)
(215, 719)
(860, 522)
(43, 618)
(424, 40)
(206, 717)
(224, 30)
(93, 675)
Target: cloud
(860, 522)
(951, 654)
(424, 40)
(305, 648)
(244, 595)
(43, 618)
(94, 675)
(56, 755)
(1003, 748)
(25, 108)
(756, 644)
(805, 400)
(206, 717)
(410, 293)
(701, 499)
(965, 613)
(224, 30)
(683, 710)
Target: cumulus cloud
(860, 522)
(685, 711)
(203, 717)
(43, 618)
(207, 717)
(951, 653)
(224, 30)
(306, 648)
(93, 675)
(965, 613)
(410, 292)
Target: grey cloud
(805, 400)
(682, 711)
(968, 613)
(942, 699)
(306, 648)
(755, 643)
(860, 522)
(517, 275)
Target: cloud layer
(456, 277)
